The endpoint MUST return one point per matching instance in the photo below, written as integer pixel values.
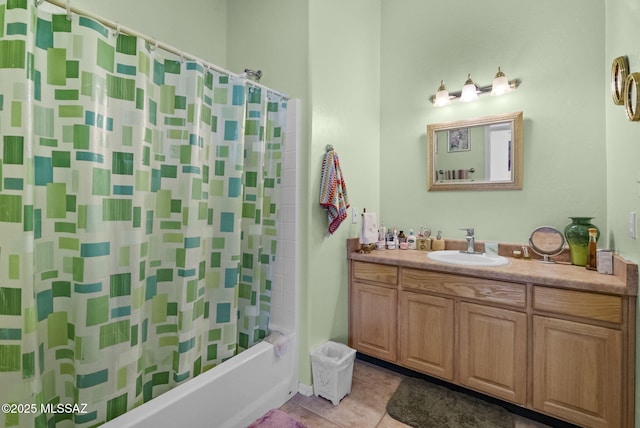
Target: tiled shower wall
(284, 288)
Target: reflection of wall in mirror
(465, 160)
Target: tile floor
(365, 407)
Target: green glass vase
(577, 234)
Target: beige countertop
(624, 281)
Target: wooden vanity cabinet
(450, 328)
(565, 352)
(578, 356)
(373, 310)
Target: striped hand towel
(333, 191)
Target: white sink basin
(464, 259)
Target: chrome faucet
(471, 241)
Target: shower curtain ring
(69, 10)
(117, 32)
(38, 2)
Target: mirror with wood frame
(484, 153)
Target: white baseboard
(306, 390)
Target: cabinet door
(577, 372)
(426, 334)
(373, 318)
(493, 351)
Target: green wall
(623, 150)
(559, 60)
(197, 27)
(345, 104)
(622, 138)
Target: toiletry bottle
(396, 242)
(437, 244)
(382, 238)
(592, 249)
(402, 241)
(411, 240)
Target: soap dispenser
(437, 244)
(411, 240)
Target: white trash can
(332, 367)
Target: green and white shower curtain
(138, 205)
(262, 170)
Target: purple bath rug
(276, 418)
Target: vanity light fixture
(470, 91)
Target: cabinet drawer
(487, 290)
(375, 272)
(599, 307)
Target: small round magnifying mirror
(547, 242)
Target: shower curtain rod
(66, 4)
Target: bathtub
(232, 394)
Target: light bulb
(501, 84)
(442, 96)
(469, 91)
